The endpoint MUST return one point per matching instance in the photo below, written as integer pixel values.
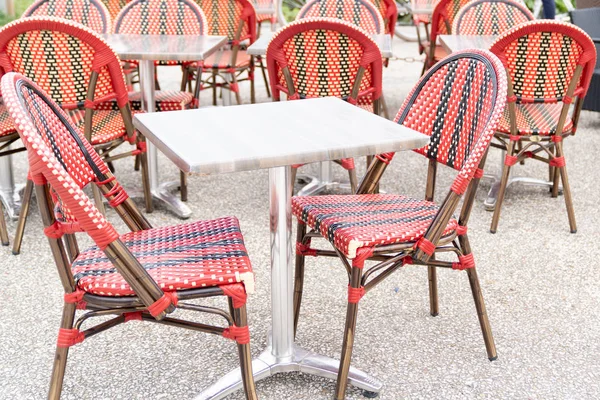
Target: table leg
(322, 182)
(282, 354)
(160, 192)
(9, 192)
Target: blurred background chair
(589, 20)
(549, 64)
(490, 17)
(361, 13)
(90, 13)
(335, 59)
(389, 12)
(114, 7)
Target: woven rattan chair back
(361, 13)
(318, 57)
(161, 17)
(444, 13)
(541, 59)
(91, 13)
(114, 7)
(389, 13)
(490, 17)
(235, 19)
(70, 62)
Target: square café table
(304, 131)
(150, 48)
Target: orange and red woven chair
(490, 17)
(320, 57)
(163, 17)
(458, 104)
(389, 12)
(235, 19)
(143, 275)
(82, 74)
(260, 18)
(549, 64)
(90, 13)
(443, 16)
(114, 7)
(361, 13)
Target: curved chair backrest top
(542, 58)
(318, 57)
(389, 12)
(235, 19)
(161, 17)
(91, 13)
(61, 56)
(59, 156)
(114, 7)
(443, 16)
(361, 13)
(490, 17)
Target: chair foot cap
(5, 243)
(493, 358)
(573, 230)
(16, 253)
(434, 314)
(492, 231)
(370, 395)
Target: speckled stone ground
(540, 283)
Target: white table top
(248, 137)
(259, 48)
(454, 43)
(164, 47)
(422, 9)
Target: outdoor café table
(335, 129)
(149, 48)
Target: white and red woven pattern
(114, 7)
(350, 222)
(90, 13)
(6, 124)
(107, 125)
(265, 17)
(166, 100)
(389, 13)
(490, 17)
(224, 17)
(223, 59)
(535, 119)
(161, 17)
(189, 256)
(361, 13)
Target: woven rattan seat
(6, 125)
(107, 125)
(356, 221)
(189, 256)
(535, 119)
(166, 100)
(222, 60)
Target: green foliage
(20, 7)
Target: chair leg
(23, 217)
(434, 305)
(3, 229)
(146, 183)
(98, 199)
(349, 333)
(353, 180)
(251, 77)
(136, 163)
(214, 86)
(566, 189)
(60, 357)
(183, 182)
(502, 190)
(185, 74)
(488, 338)
(299, 276)
(264, 74)
(241, 319)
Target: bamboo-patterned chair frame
(235, 19)
(490, 17)
(90, 13)
(571, 66)
(366, 84)
(362, 13)
(391, 257)
(97, 78)
(60, 176)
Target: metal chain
(408, 59)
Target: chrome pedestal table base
(282, 354)
(321, 183)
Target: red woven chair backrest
(541, 58)
(91, 13)
(457, 103)
(161, 17)
(361, 13)
(115, 6)
(235, 19)
(490, 17)
(443, 16)
(389, 13)
(58, 153)
(60, 56)
(323, 57)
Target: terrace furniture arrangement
(490, 17)
(356, 78)
(549, 65)
(397, 230)
(135, 276)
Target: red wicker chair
(490, 17)
(235, 19)
(389, 12)
(458, 103)
(142, 275)
(163, 17)
(114, 7)
(361, 13)
(260, 18)
(442, 19)
(91, 13)
(83, 81)
(299, 53)
(550, 65)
